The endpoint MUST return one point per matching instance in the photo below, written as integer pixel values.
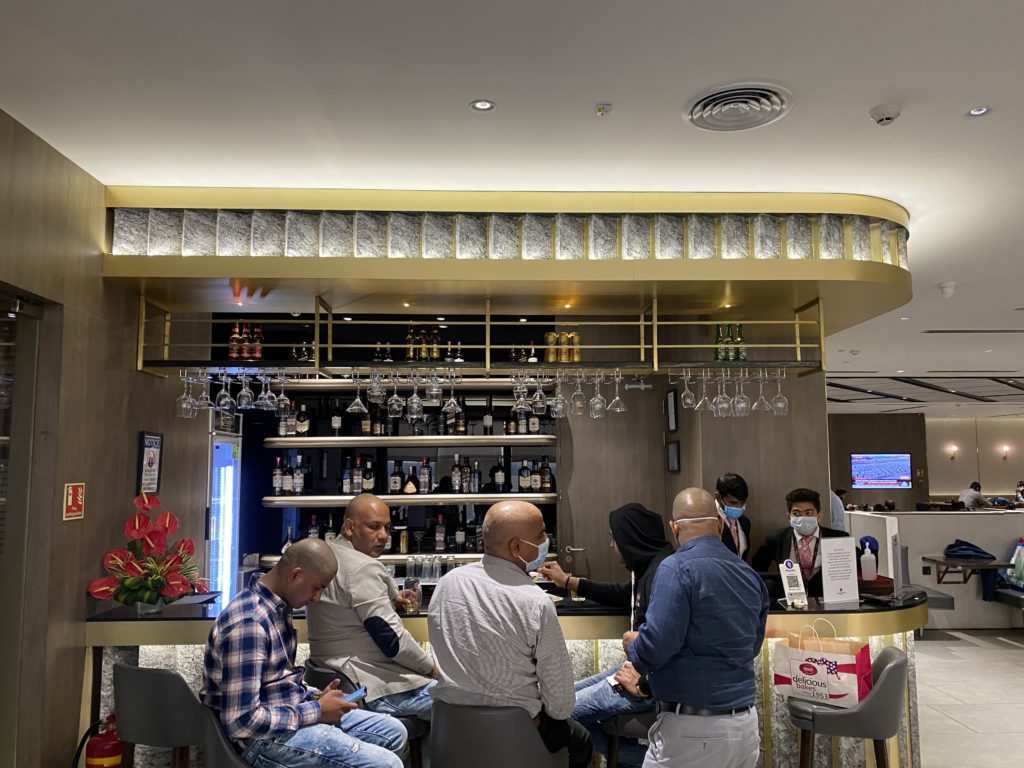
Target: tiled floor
(970, 689)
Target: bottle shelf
(412, 441)
(409, 499)
(696, 365)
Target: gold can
(550, 353)
(577, 353)
(564, 351)
(403, 543)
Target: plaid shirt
(250, 675)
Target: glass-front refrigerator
(225, 476)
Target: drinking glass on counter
(413, 593)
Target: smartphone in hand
(357, 695)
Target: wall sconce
(1006, 452)
(952, 452)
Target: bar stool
(321, 677)
(634, 725)
(156, 708)
(877, 717)
(488, 737)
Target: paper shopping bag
(834, 672)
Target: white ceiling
(314, 93)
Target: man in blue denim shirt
(704, 629)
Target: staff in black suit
(800, 542)
(731, 494)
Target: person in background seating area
(250, 679)
(731, 495)
(971, 497)
(704, 629)
(890, 505)
(800, 541)
(638, 536)
(837, 516)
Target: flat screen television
(880, 470)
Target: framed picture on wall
(670, 411)
(151, 445)
(672, 455)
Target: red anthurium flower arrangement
(149, 568)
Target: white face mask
(805, 526)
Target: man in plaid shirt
(252, 682)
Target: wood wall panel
(879, 433)
(52, 227)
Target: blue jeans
(362, 739)
(597, 702)
(414, 703)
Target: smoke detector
(739, 107)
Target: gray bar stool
(488, 737)
(877, 717)
(320, 677)
(156, 708)
(629, 726)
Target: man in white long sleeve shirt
(355, 628)
(496, 636)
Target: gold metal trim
(410, 441)
(867, 623)
(443, 201)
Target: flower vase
(150, 609)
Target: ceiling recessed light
(567, 306)
(347, 319)
(481, 105)
(899, 371)
(522, 319)
(904, 318)
(441, 319)
(978, 111)
(988, 350)
(405, 304)
(728, 306)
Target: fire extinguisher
(102, 747)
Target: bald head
(367, 524)
(694, 514)
(512, 531)
(303, 572)
(362, 505)
(311, 555)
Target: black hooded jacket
(639, 535)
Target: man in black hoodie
(638, 535)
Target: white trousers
(691, 741)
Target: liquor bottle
(524, 355)
(474, 478)
(535, 479)
(435, 345)
(245, 343)
(377, 356)
(357, 476)
(257, 343)
(460, 538)
(277, 481)
(545, 475)
(366, 424)
(425, 476)
(288, 540)
(533, 354)
(460, 419)
(410, 345)
(498, 472)
(292, 419)
(336, 418)
(298, 477)
(424, 350)
(741, 344)
(329, 534)
(388, 357)
(464, 476)
(458, 353)
(512, 423)
(314, 528)
(412, 482)
(234, 343)
(450, 421)
(302, 422)
(346, 477)
(513, 356)
(439, 534)
(282, 426)
(729, 353)
(524, 477)
(523, 427)
(395, 480)
(489, 418)
(368, 477)
(533, 424)
(377, 424)
(719, 350)
(448, 353)
(287, 480)
(456, 475)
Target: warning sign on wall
(74, 501)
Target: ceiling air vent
(739, 107)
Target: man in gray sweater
(355, 629)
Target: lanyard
(632, 600)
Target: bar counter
(176, 638)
